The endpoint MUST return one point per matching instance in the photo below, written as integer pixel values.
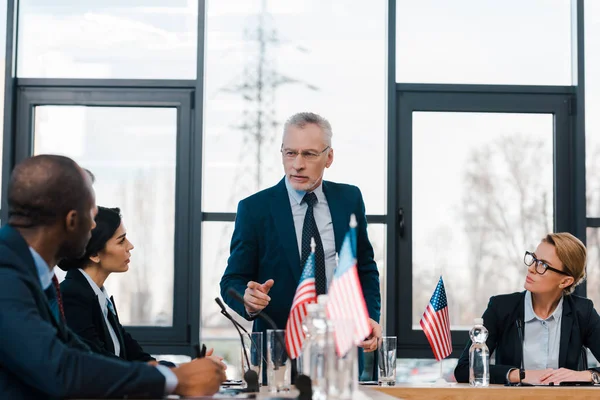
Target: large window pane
(216, 330)
(482, 196)
(141, 183)
(593, 265)
(325, 56)
(484, 41)
(592, 105)
(108, 39)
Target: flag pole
(440, 380)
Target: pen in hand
(200, 353)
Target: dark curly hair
(44, 189)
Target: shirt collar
(100, 292)
(44, 272)
(530, 315)
(298, 195)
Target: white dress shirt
(103, 298)
(323, 220)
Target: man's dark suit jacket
(40, 358)
(264, 246)
(580, 326)
(84, 317)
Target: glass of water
(279, 369)
(253, 348)
(386, 352)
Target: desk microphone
(250, 376)
(304, 386)
(238, 297)
(228, 316)
(522, 341)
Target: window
(263, 65)
(484, 41)
(593, 262)
(132, 39)
(592, 105)
(482, 196)
(141, 183)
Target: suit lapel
(284, 223)
(339, 215)
(17, 243)
(565, 332)
(520, 316)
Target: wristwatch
(595, 377)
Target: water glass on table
(278, 362)
(386, 352)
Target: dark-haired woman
(89, 310)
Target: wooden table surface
(462, 391)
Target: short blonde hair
(572, 254)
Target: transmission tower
(257, 86)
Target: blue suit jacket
(264, 246)
(40, 358)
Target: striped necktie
(55, 300)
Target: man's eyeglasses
(308, 155)
(540, 266)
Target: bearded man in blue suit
(271, 239)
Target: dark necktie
(114, 322)
(54, 298)
(310, 230)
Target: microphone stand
(522, 341)
(303, 382)
(250, 376)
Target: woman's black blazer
(580, 327)
(84, 317)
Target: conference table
(462, 391)
(452, 391)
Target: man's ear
(71, 221)
(329, 159)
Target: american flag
(436, 323)
(305, 293)
(346, 306)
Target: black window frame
(554, 100)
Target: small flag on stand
(436, 323)
(305, 293)
(346, 306)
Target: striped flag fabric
(346, 305)
(436, 323)
(305, 293)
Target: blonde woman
(554, 323)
